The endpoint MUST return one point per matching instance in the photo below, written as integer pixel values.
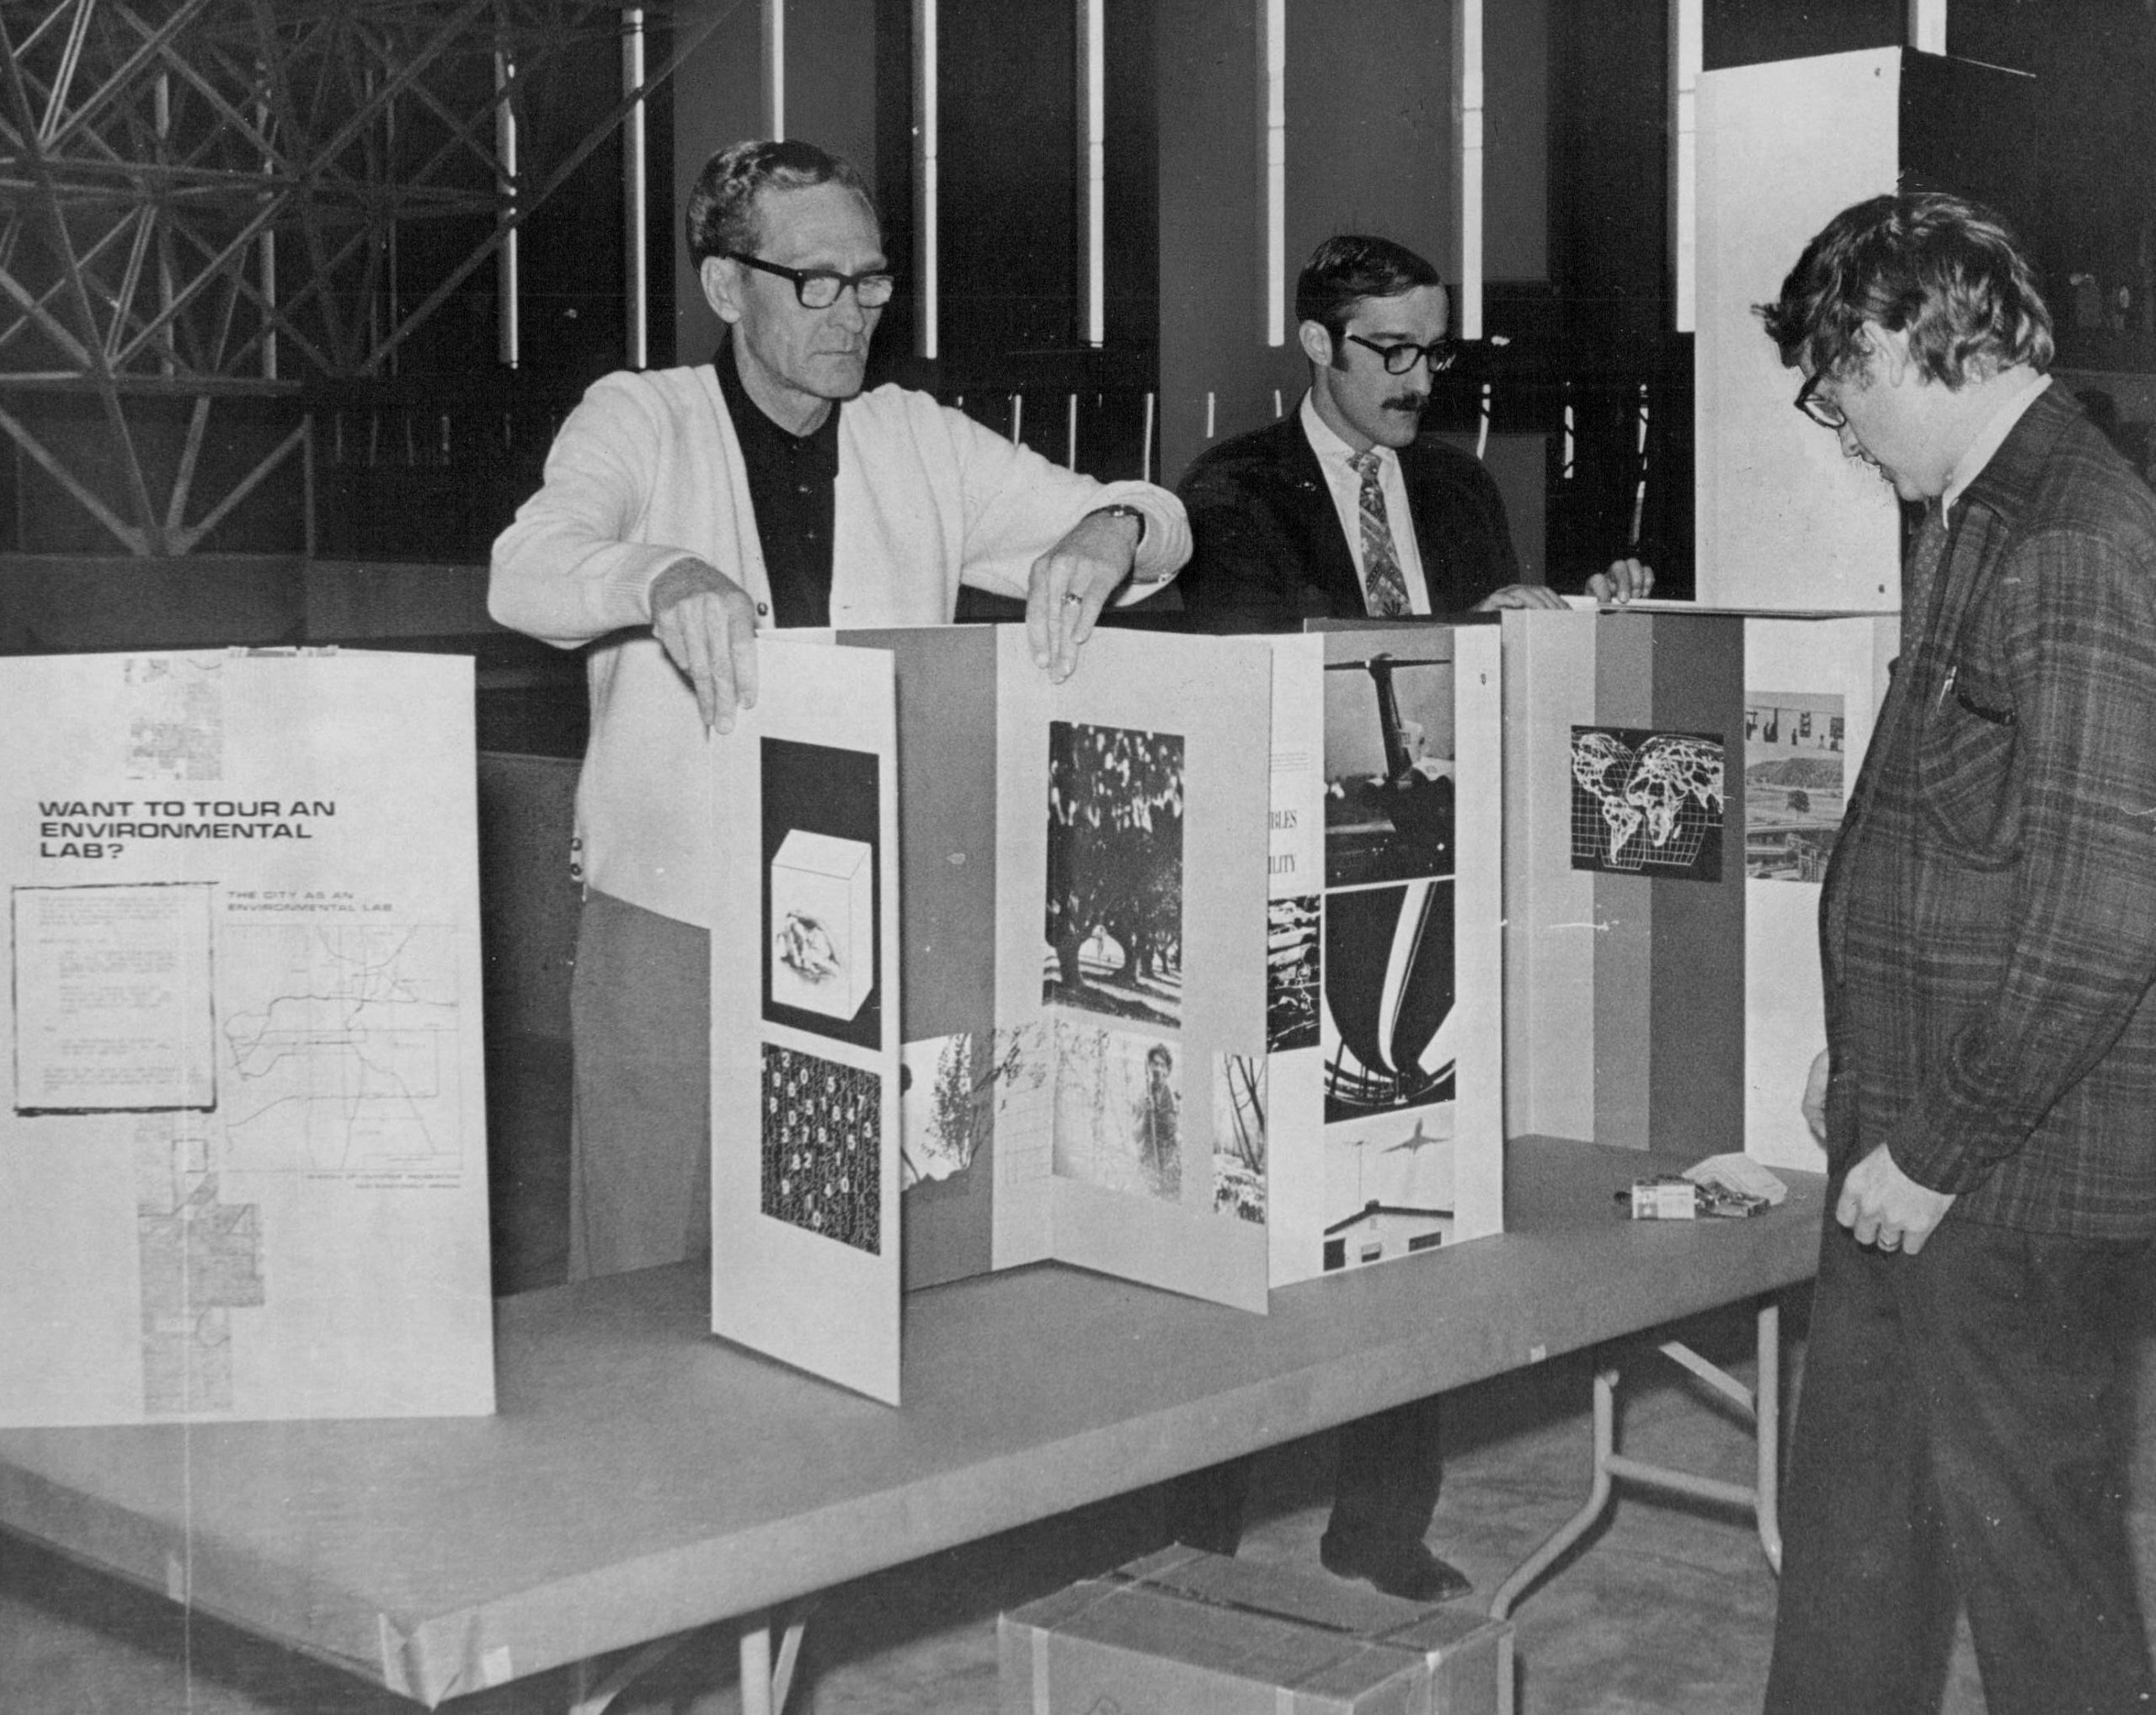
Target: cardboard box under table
(1202, 1634)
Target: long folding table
(642, 1478)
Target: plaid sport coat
(1989, 921)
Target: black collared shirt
(792, 491)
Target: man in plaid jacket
(1987, 1098)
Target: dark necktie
(1384, 590)
(1925, 554)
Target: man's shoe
(1405, 1570)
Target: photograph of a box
(1186, 1630)
(822, 912)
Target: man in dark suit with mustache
(1340, 509)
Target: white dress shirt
(1346, 482)
(1992, 436)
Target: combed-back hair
(721, 216)
(1342, 271)
(1946, 270)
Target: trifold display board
(1065, 926)
(242, 1157)
(1661, 947)
(1385, 1041)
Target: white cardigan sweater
(647, 471)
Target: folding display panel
(242, 1157)
(804, 1027)
(1130, 984)
(1384, 939)
(1812, 687)
(1050, 1042)
(1661, 948)
(951, 1074)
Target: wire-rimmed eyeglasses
(1399, 359)
(819, 288)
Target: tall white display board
(1783, 520)
(243, 1158)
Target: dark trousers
(1959, 1439)
(1391, 1465)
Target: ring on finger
(1073, 596)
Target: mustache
(1407, 402)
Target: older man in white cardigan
(683, 510)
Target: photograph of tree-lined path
(1115, 879)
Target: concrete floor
(1669, 1609)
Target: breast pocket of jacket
(1968, 767)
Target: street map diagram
(342, 1042)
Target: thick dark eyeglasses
(1824, 412)
(1439, 353)
(818, 288)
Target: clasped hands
(707, 624)
(1881, 1205)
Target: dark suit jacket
(1268, 550)
(1989, 921)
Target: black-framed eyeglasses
(1399, 359)
(1824, 412)
(819, 288)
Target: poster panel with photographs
(1813, 688)
(1389, 1136)
(805, 1062)
(243, 1155)
(1624, 896)
(1131, 992)
(1674, 785)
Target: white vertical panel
(774, 77)
(1468, 104)
(1272, 105)
(1784, 1007)
(1092, 168)
(1928, 26)
(1550, 926)
(635, 286)
(927, 298)
(1783, 520)
(1684, 62)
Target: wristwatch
(1122, 509)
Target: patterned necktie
(1926, 553)
(1384, 590)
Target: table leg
(595, 1691)
(1764, 1403)
(1767, 1431)
(764, 1687)
(1577, 1527)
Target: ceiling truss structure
(205, 199)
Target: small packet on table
(1727, 1186)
